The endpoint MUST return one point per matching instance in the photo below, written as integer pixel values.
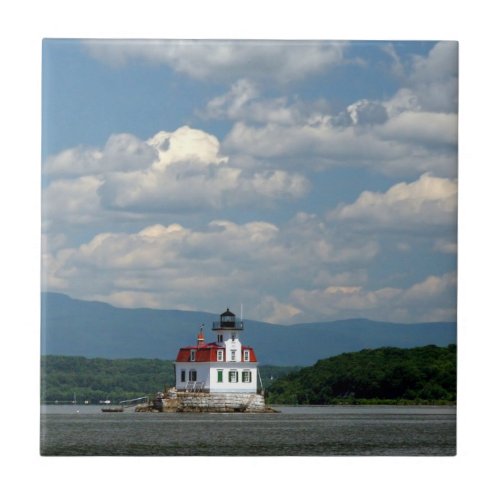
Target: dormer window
(233, 355)
(220, 355)
(246, 355)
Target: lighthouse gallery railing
(230, 325)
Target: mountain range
(96, 329)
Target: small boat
(112, 409)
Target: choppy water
(307, 431)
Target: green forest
(66, 377)
(421, 375)
(388, 375)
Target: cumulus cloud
(272, 310)
(434, 78)
(122, 152)
(243, 102)
(193, 187)
(428, 201)
(172, 171)
(258, 263)
(433, 299)
(172, 264)
(230, 60)
(310, 267)
(430, 82)
(367, 112)
(425, 128)
(415, 130)
(382, 146)
(180, 265)
(186, 145)
(71, 200)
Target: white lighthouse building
(222, 366)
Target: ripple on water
(376, 431)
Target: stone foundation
(197, 402)
(221, 402)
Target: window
(233, 337)
(220, 355)
(219, 375)
(192, 356)
(192, 375)
(220, 338)
(246, 355)
(183, 375)
(233, 376)
(233, 355)
(246, 376)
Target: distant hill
(95, 329)
(421, 375)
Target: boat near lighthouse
(217, 376)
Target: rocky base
(197, 402)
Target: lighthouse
(224, 366)
(216, 376)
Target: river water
(295, 431)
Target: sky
(302, 181)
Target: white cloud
(172, 171)
(272, 310)
(422, 127)
(367, 112)
(433, 299)
(121, 153)
(384, 147)
(243, 102)
(186, 145)
(230, 60)
(415, 130)
(158, 246)
(164, 266)
(403, 100)
(177, 265)
(430, 289)
(430, 82)
(193, 187)
(434, 78)
(427, 202)
(73, 201)
(397, 65)
(269, 268)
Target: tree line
(385, 375)
(64, 378)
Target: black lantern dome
(228, 321)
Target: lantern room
(228, 321)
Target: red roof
(208, 352)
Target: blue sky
(308, 181)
